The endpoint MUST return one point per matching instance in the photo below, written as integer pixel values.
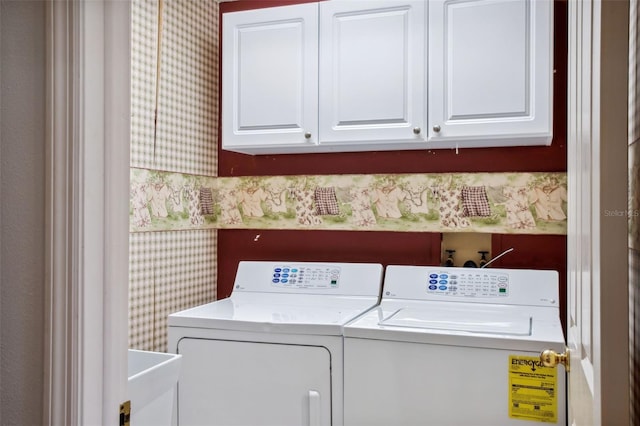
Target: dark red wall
(400, 248)
(534, 252)
(531, 251)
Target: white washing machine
(271, 353)
(456, 346)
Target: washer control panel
(475, 283)
(303, 276)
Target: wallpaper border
(511, 203)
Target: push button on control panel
(306, 276)
(475, 283)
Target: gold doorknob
(551, 358)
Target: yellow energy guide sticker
(532, 390)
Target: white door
(372, 72)
(270, 78)
(246, 383)
(490, 72)
(597, 311)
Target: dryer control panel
(474, 283)
(326, 278)
(301, 276)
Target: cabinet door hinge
(125, 413)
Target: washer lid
(453, 319)
(460, 324)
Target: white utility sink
(153, 378)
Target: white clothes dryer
(271, 353)
(456, 346)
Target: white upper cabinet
(372, 75)
(372, 56)
(490, 73)
(270, 79)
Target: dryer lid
(452, 319)
(282, 313)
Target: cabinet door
(490, 72)
(372, 73)
(270, 79)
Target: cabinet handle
(436, 128)
(417, 130)
(307, 135)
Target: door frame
(87, 220)
(87, 210)
(610, 249)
